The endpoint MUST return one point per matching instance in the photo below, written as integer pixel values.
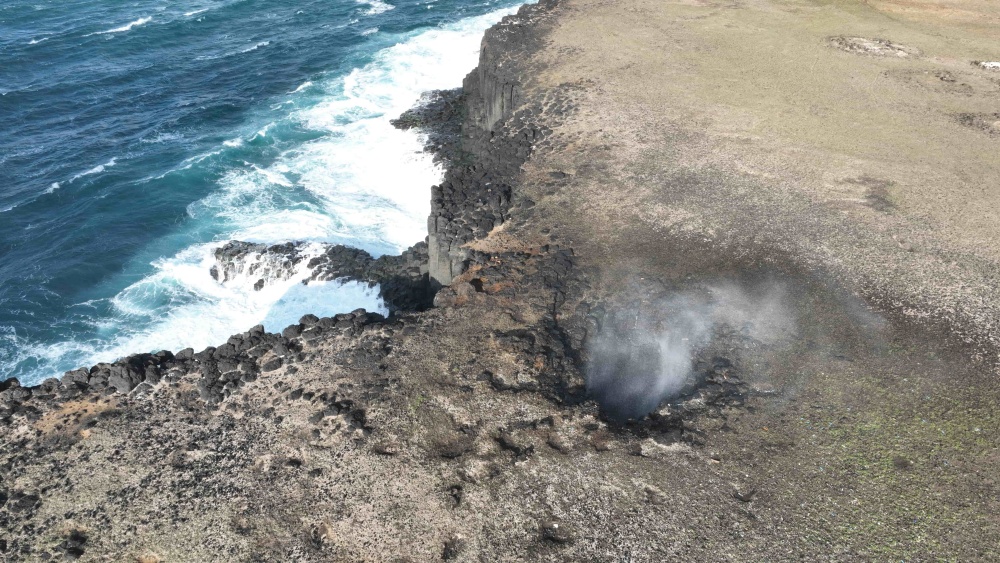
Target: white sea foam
(208, 312)
(188, 162)
(124, 28)
(361, 182)
(37, 41)
(263, 130)
(161, 138)
(273, 176)
(376, 7)
(371, 31)
(257, 46)
(195, 12)
(371, 177)
(95, 170)
(302, 87)
(55, 186)
(203, 312)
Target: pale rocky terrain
(779, 213)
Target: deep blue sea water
(136, 136)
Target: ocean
(137, 137)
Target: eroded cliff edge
(802, 422)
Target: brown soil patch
(72, 416)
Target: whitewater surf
(315, 159)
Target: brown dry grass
(72, 415)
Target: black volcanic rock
(402, 279)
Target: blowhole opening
(682, 351)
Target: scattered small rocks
(872, 47)
(986, 122)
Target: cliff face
(473, 200)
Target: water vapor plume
(644, 353)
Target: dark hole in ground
(625, 377)
(667, 351)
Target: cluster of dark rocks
(439, 115)
(223, 369)
(265, 262)
(402, 279)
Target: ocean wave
(302, 87)
(376, 7)
(233, 53)
(198, 158)
(276, 177)
(161, 138)
(385, 206)
(355, 180)
(37, 41)
(257, 46)
(51, 189)
(124, 28)
(95, 170)
(92, 303)
(195, 12)
(182, 295)
(263, 131)
(368, 32)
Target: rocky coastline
(472, 199)
(482, 159)
(772, 411)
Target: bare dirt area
(844, 148)
(754, 105)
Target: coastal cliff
(623, 340)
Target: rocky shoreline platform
(703, 282)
